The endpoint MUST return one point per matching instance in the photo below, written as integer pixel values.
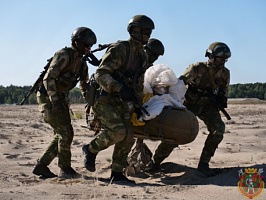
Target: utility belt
(43, 91)
(198, 96)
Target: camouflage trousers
(115, 118)
(210, 115)
(162, 152)
(216, 127)
(63, 132)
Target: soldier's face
(146, 34)
(142, 34)
(220, 61)
(152, 56)
(84, 48)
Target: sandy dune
(24, 136)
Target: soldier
(205, 81)
(154, 48)
(118, 74)
(66, 69)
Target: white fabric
(160, 79)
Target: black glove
(138, 112)
(126, 94)
(57, 108)
(93, 60)
(222, 101)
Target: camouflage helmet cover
(141, 21)
(218, 49)
(85, 35)
(156, 46)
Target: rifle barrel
(225, 113)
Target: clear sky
(33, 30)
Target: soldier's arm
(111, 61)
(58, 63)
(84, 77)
(226, 77)
(190, 74)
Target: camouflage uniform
(124, 61)
(65, 70)
(154, 49)
(206, 78)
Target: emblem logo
(250, 184)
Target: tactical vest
(68, 78)
(133, 67)
(204, 85)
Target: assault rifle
(220, 100)
(132, 95)
(87, 57)
(138, 104)
(37, 82)
(91, 58)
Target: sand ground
(24, 136)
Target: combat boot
(68, 172)
(89, 158)
(205, 169)
(42, 170)
(118, 176)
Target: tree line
(15, 94)
(248, 90)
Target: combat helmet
(85, 35)
(156, 46)
(141, 21)
(218, 49)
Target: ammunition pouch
(198, 96)
(91, 93)
(66, 82)
(191, 97)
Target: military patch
(251, 184)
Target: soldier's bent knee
(220, 128)
(121, 135)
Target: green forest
(15, 94)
